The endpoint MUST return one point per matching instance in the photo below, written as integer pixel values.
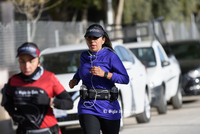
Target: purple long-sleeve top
(108, 61)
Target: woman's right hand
(72, 83)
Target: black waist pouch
(101, 94)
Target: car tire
(145, 116)
(122, 113)
(177, 99)
(162, 108)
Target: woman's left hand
(97, 71)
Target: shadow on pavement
(189, 101)
(74, 130)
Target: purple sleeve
(76, 76)
(119, 72)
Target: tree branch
(40, 12)
(55, 4)
(33, 10)
(17, 6)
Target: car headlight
(194, 73)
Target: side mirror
(127, 64)
(165, 63)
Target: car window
(125, 54)
(160, 54)
(118, 53)
(121, 56)
(59, 63)
(145, 55)
(131, 55)
(185, 50)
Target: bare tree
(33, 10)
(118, 20)
(120, 8)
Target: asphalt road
(182, 121)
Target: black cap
(28, 49)
(94, 31)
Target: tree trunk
(119, 12)
(119, 34)
(75, 15)
(84, 17)
(34, 26)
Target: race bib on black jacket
(36, 116)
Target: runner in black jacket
(31, 95)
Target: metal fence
(173, 31)
(50, 34)
(181, 31)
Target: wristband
(105, 74)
